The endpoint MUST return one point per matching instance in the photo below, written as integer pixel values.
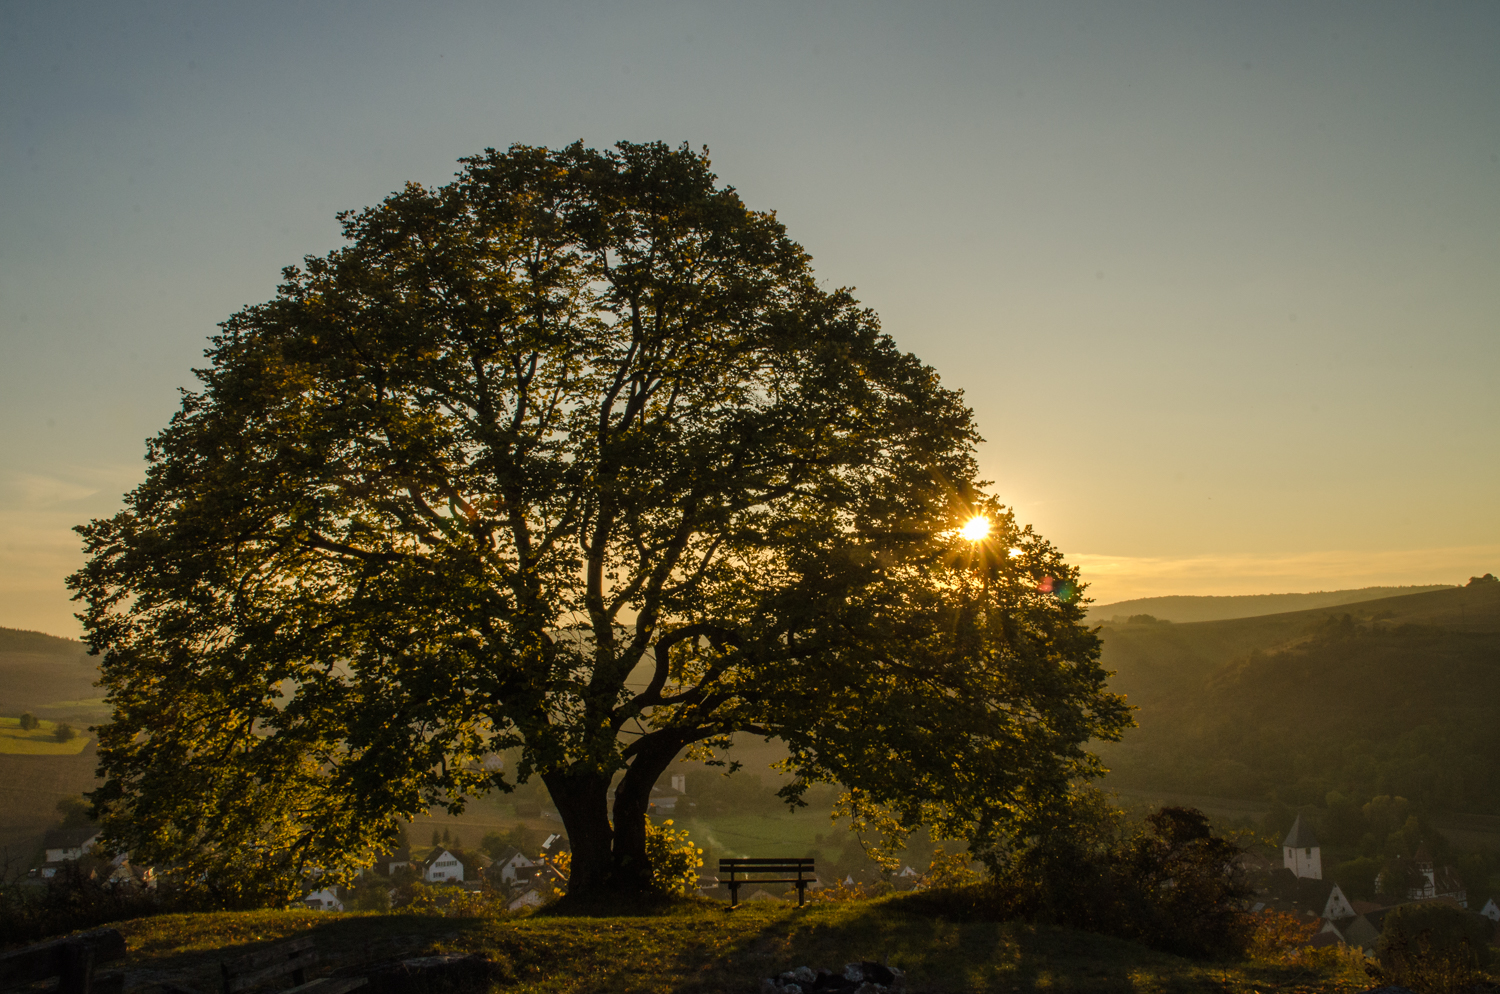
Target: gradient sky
(1221, 281)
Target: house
(122, 874)
(1360, 932)
(396, 859)
(1491, 910)
(67, 843)
(531, 897)
(442, 866)
(1431, 882)
(512, 867)
(327, 899)
(1302, 895)
(665, 800)
(1437, 882)
(1325, 938)
(1337, 905)
(1300, 851)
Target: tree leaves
(575, 416)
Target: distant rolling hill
(1189, 608)
(54, 679)
(39, 671)
(1392, 695)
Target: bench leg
(801, 893)
(77, 973)
(734, 894)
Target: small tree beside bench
(802, 866)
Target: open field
(765, 835)
(39, 741)
(696, 948)
(31, 786)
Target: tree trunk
(583, 803)
(633, 798)
(611, 858)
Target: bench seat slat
(271, 954)
(766, 860)
(328, 985)
(236, 982)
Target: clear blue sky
(1221, 281)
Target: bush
(953, 870)
(447, 900)
(840, 892)
(675, 860)
(1172, 885)
(1433, 947)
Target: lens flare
(976, 529)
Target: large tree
(574, 458)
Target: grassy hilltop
(697, 948)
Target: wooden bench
(71, 960)
(802, 866)
(289, 959)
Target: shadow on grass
(625, 906)
(694, 947)
(942, 954)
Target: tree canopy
(572, 456)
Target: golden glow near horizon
(976, 529)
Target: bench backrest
(271, 963)
(767, 864)
(72, 958)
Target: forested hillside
(1393, 696)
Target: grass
(98, 704)
(698, 948)
(764, 835)
(37, 741)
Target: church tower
(1300, 852)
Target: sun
(976, 529)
